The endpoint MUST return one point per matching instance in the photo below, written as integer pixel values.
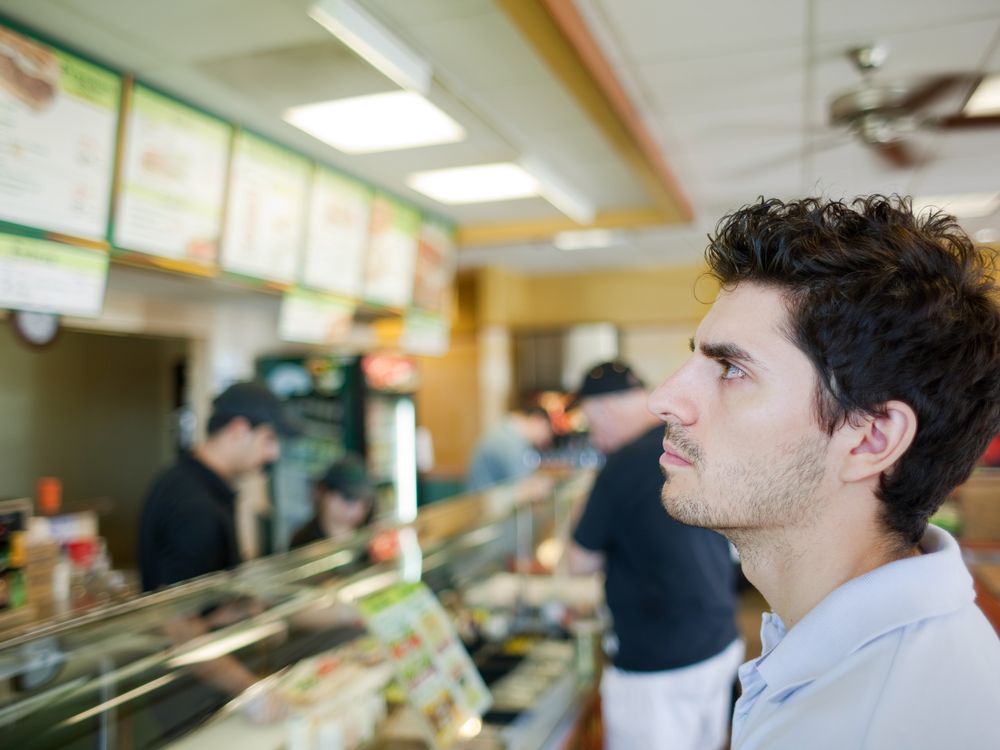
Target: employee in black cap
(344, 501)
(670, 587)
(187, 527)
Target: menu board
(265, 215)
(173, 179)
(313, 318)
(58, 119)
(392, 252)
(435, 269)
(44, 276)
(339, 215)
(432, 665)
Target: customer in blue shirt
(509, 450)
(845, 380)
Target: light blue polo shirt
(898, 658)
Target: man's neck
(212, 457)
(795, 568)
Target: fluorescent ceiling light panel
(559, 192)
(482, 183)
(985, 100)
(587, 239)
(960, 205)
(379, 122)
(374, 43)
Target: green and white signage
(392, 252)
(173, 180)
(266, 213)
(58, 122)
(44, 276)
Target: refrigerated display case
(391, 432)
(321, 395)
(123, 677)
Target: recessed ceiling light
(961, 205)
(377, 122)
(587, 239)
(985, 100)
(477, 184)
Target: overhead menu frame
(58, 126)
(265, 211)
(172, 182)
(339, 217)
(51, 277)
(392, 252)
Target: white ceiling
(734, 92)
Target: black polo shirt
(187, 527)
(670, 587)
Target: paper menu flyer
(337, 235)
(432, 665)
(58, 123)
(265, 215)
(173, 179)
(45, 276)
(435, 268)
(392, 252)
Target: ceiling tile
(865, 19)
(727, 82)
(658, 31)
(193, 30)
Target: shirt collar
(889, 597)
(218, 487)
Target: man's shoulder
(176, 485)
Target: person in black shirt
(344, 500)
(670, 587)
(187, 527)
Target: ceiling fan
(881, 115)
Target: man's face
(261, 448)
(742, 448)
(609, 425)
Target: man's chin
(683, 508)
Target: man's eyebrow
(726, 351)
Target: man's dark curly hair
(887, 306)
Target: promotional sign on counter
(339, 214)
(58, 121)
(432, 666)
(435, 267)
(44, 276)
(392, 253)
(314, 318)
(173, 180)
(265, 216)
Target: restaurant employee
(187, 527)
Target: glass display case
(194, 665)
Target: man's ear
(875, 443)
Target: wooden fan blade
(896, 154)
(964, 121)
(934, 88)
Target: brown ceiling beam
(561, 38)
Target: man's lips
(671, 457)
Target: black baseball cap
(605, 378)
(348, 477)
(257, 404)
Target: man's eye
(731, 371)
